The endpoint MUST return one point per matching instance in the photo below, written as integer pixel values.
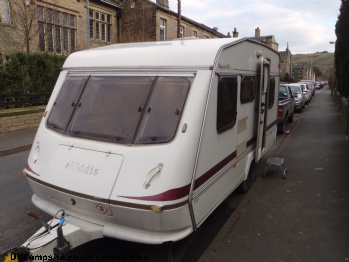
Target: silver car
(299, 97)
(307, 92)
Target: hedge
(29, 73)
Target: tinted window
(226, 104)
(163, 110)
(122, 109)
(66, 102)
(248, 89)
(271, 98)
(111, 107)
(282, 91)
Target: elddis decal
(81, 168)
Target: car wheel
(290, 119)
(281, 126)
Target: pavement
(304, 217)
(16, 141)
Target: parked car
(310, 86)
(307, 92)
(299, 97)
(286, 107)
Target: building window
(181, 32)
(100, 26)
(195, 34)
(57, 31)
(226, 103)
(162, 29)
(5, 12)
(205, 37)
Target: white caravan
(142, 141)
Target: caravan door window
(226, 104)
(248, 89)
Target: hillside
(324, 61)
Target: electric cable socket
(63, 245)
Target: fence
(7, 102)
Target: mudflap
(47, 245)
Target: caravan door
(263, 88)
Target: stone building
(269, 40)
(56, 26)
(65, 26)
(144, 20)
(303, 71)
(286, 64)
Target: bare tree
(25, 18)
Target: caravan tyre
(246, 185)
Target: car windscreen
(282, 91)
(296, 89)
(121, 109)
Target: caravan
(142, 141)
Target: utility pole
(179, 19)
(88, 23)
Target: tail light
(280, 111)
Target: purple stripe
(172, 194)
(30, 170)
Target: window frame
(248, 96)
(163, 96)
(5, 12)
(100, 26)
(57, 30)
(163, 27)
(272, 92)
(222, 111)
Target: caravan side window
(271, 92)
(248, 89)
(226, 104)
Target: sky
(306, 25)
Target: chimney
(163, 3)
(235, 33)
(215, 29)
(257, 32)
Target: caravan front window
(66, 102)
(111, 107)
(121, 109)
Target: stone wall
(16, 121)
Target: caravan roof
(178, 53)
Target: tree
(341, 50)
(25, 18)
(317, 72)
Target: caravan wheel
(246, 185)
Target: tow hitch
(54, 239)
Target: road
(16, 226)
